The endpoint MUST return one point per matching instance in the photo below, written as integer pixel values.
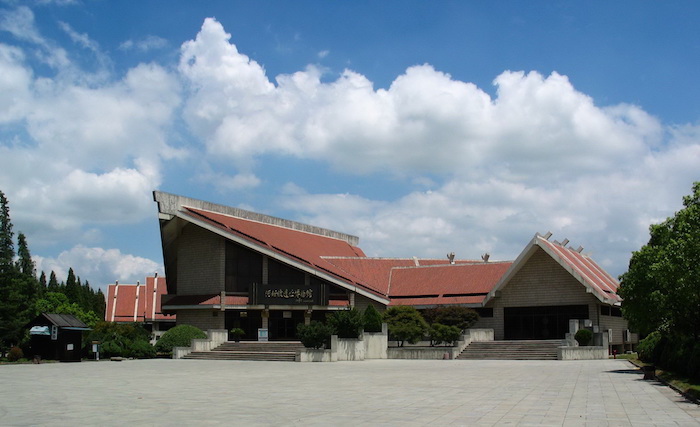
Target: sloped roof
(447, 280)
(579, 265)
(60, 320)
(137, 303)
(297, 246)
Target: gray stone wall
(203, 319)
(201, 262)
(540, 282)
(617, 324)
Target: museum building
(231, 268)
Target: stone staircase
(278, 351)
(512, 350)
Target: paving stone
(379, 392)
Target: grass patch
(685, 385)
(626, 356)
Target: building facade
(230, 268)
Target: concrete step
(253, 350)
(512, 350)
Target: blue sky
(421, 127)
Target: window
(243, 268)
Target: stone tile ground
(379, 392)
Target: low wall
(348, 348)
(376, 343)
(432, 353)
(316, 355)
(215, 337)
(427, 353)
(582, 353)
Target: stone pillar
(307, 316)
(352, 299)
(265, 318)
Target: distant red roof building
(137, 303)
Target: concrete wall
(361, 303)
(582, 353)
(376, 343)
(201, 260)
(203, 319)
(540, 282)
(617, 324)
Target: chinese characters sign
(289, 294)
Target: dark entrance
(540, 323)
(283, 324)
(249, 321)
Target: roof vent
(579, 249)
(486, 257)
(565, 242)
(548, 235)
(451, 257)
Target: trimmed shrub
(405, 324)
(649, 349)
(179, 336)
(583, 337)
(372, 319)
(141, 350)
(444, 334)
(346, 323)
(15, 354)
(461, 317)
(315, 334)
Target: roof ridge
(170, 204)
(452, 265)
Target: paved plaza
(378, 392)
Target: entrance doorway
(249, 321)
(283, 324)
(540, 323)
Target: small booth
(57, 337)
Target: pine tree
(7, 248)
(25, 263)
(42, 284)
(72, 287)
(53, 282)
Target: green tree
(444, 334)
(57, 302)
(53, 282)
(661, 288)
(7, 247)
(346, 323)
(72, 287)
(453, 315)
(315, 334)
(372, 319)
(179, 336)
(25, 264)
(405, 324)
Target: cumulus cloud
(100, 266)
(539, 155)
(73, 153)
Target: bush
(346, 323)
(372, 319)
(179, 336)
(461, 317)
(583, 337)
(141, 350)
(444, 334)
(121, 340)
(15, 354)
(649, 349)
(405, 324)
(315, 334)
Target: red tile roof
(447, 280)
(136, 303)
(582, 265)
(307, 248)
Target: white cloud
(74, 153)
(100, 266)
(145, 44)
